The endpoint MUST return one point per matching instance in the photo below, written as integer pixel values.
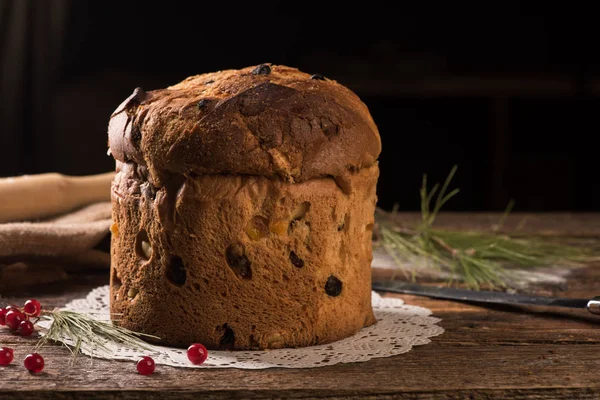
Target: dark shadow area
(77, 285)
(509, 94)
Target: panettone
(243, 209)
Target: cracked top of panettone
(267, 120)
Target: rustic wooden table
(485, 352)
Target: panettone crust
(244, 262)
(243, 210)
(283, 124)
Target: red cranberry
(14, 318)
(3, 316)
(12, 307)
(32, 307)
(197, 353)
(6, 355)
(145, 365)
(25, 328)
(34, 363)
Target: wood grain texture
(560, 224)
(486, 352)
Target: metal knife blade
(481, 296)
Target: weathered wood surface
(485, 352)
(544, 224)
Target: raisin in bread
(243, 209)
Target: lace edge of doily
(389, 304)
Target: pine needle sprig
(475, 258)
(428, 216)
(80, 329)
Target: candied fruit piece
(257, 228)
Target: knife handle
(593, 305)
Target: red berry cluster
(17, 320)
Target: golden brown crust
(244, 262)
(280, 124)
(243, 206)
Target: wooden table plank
(422, 372)
(563, 224)
(486, 352)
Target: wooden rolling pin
(30, 197)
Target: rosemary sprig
(476, 258)
(76, 330)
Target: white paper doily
(399, 327)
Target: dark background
(509, 93)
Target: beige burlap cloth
(53, 237)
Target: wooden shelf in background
(472, 86)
